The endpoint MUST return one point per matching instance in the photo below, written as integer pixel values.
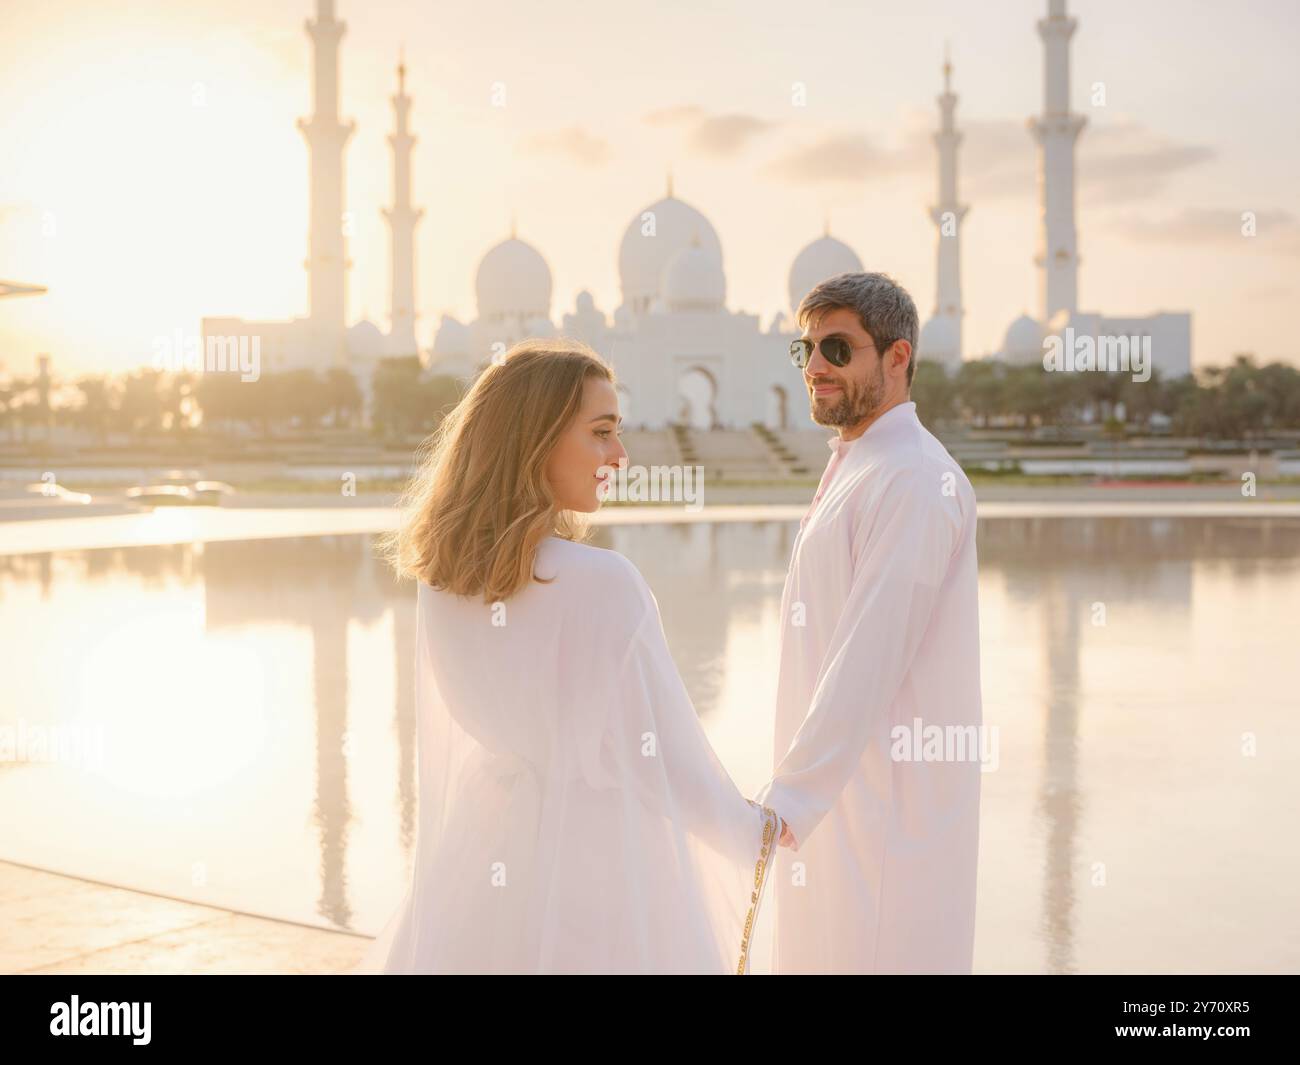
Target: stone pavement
(60, 924)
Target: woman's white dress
(573, 816)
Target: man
(879, 644)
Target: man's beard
(856, 403)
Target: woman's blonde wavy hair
(473, 515)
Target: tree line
(1241, 401)
(151, 403)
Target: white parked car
(162, 495)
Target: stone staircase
(754, 454)
(790, 463)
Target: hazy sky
(152, 173)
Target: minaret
(326, 137)
(1056, 131)
(948, 214)
(402, 219)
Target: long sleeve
(653, 740)
(902, 544)
(695, 837)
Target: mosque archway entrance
(778, 408)
(697, 396)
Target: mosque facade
(681, 355)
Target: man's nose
(817, 365)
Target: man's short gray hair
(882, 305)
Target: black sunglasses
(835, 349)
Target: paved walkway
(61, 924)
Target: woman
(573, 816)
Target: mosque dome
(584, 304)
(365, 339)
(824, 257)
(513, 280)
(693, 280)
(452, 338)
(642, 257)
(540, 326)
(1024, 340)
(938, 341)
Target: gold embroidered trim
(765, 852)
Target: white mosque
(681, 355)
(1057, 255)
(684, 358)
(322, 340)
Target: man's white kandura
(879, 627)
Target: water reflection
(322, 585)
(1093, 634)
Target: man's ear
(901, 353)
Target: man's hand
(787, 837)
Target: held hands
(786, 838)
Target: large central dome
(642, 257)
(824, 258)
(513, 281)
(693, 281)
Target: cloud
(1269, 293)
(574, 143)
(668, 116)
(1125, 161)
(726, 135)
(1276, 231)
(835, 158)
(712, 136)
(1116, 163)
(996, 161)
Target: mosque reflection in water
(1122, 659)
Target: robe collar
(895, 415)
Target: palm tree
(344, 395)
(934, 393)
(95, 412)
